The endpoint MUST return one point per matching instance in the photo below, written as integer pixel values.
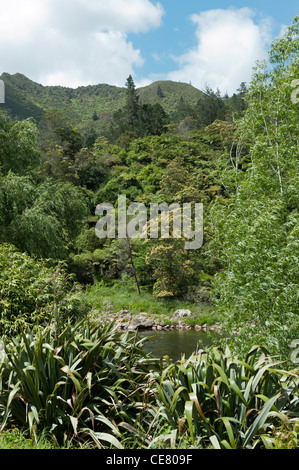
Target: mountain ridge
(26, 98)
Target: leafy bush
(31, 291)
(18, 146)
(41, 219)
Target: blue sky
(176, 34)
(82, 42)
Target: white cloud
(228, 45)
(18, 19)
(125, 15)
(74, 42)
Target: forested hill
(94, 104)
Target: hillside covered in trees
(144, 154)
(91, 108)
(64, 151)
(202, 147)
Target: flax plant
(215, 399)
(78, 384)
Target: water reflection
(174, 343)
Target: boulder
(140, 324)
(123, 312)
(182, 313)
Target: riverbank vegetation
(70, 379)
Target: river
(174, 343)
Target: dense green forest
(63, 152)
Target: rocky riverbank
(127, 321)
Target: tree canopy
(257, 230)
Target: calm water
(174, 343)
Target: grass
(122, 295)
(287, 436)
(16, 439)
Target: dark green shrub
(31, 290)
